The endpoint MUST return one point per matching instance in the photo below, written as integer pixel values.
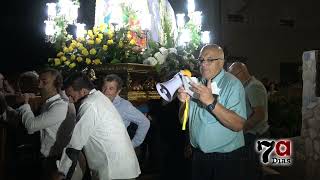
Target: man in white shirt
(257, 114)
(100, 132)
(256, 100)
(53, 113)
(112, 85)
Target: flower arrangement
(167, 60)
(108, 43)
(101, 45)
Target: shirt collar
(92, 91)
(53, 98)
(116, 100)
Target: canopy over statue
(161, 12)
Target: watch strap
(211, 106)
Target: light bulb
(180, 20)
(50, 28)
(52, 11)
(205, 37)
(191, 6)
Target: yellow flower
(132, 42)
(73, 41)
(79, 59)
(73, 45)
(105, 47)
(95, 30)
(65, 50)
(90, 33)
(63, 58)
(79, 44)
(129, 36)
(67, 63)
(72, 65)
(93, 51)
(70, 49)
(73, 57)
(103, 27)
(85, 52)
(97, 62)
(91, 42)
(110, 34)
(120, 44)
(98, 40)
(88, 61)
(100, 36)
(92, 37)
(81, 48)
(60, 54)
(81, 39)
(110, 41)
(57, 61)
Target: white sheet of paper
(214, 88)
(186, 84)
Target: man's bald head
(211, 60)
(214, 48)
(239, 70)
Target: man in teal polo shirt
(216, 119)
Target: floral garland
(106, 44)
(100, 46)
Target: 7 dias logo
(274, 152)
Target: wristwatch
(211, 106)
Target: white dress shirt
(100, 131)
(130, 114)
(53, 113)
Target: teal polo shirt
(206, 132)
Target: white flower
(185, 57)
(164, 51)
(150, 61)
(160, 57)
(173, 50)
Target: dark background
(23, 36)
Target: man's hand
(25, 97)
(182, 95)
(204, 92)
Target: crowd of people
(83, 130)
(79, 121)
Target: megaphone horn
(167, 89)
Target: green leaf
(115, 61)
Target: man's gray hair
(116, 78)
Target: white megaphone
(167, 89)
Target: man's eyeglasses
(208, 61)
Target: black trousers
(48, 167)
(253, 166)
(218, 166)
